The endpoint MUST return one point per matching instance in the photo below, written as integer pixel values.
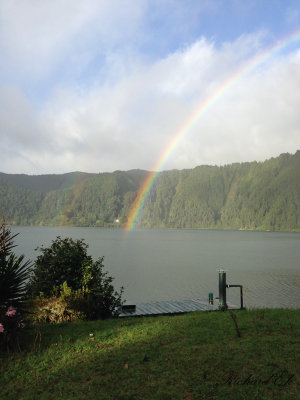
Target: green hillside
(256, 195)
(45, 183)
(238, 196)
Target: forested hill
(256, 195)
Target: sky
(99, 86)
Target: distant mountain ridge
(45, 183)
(256, 195)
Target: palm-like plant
(14, 272)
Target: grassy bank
(193, 356)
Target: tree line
(255, 195)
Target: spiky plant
(14, 272)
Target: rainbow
(194, 118)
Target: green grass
(193, 356)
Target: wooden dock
(165, 308)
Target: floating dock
(165, 308)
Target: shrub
(64, 261)
(13, 275)
(10, 326)
(66, 272)
(52, 309)
(13, 271)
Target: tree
(66, 262)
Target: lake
(155, 265)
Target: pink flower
(10, 312)
(1, 328)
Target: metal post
(241, 294)
(222, 290)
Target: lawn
(188, 357)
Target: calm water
(182, 264)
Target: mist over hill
(255, 195)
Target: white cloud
(40, 39)
(111, 107)
(257, 119)
(18, 123)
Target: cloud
(85, 95)
(255, 120)
(61, 40)
(19, 125)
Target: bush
(13, 275)
(64, 261)
(13, 271)
(53, 309)
(11, 323)
(66, 272)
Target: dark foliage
(13, 271)
(66, 264)
(64, 261)
(13, 275)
